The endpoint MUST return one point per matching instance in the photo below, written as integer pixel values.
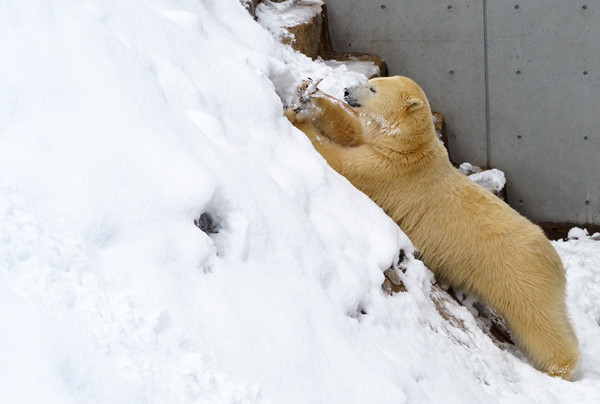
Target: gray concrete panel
(544, 104)
(438, 45)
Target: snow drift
(122, 123)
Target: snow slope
(121, 123)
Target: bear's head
(394, 111)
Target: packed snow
(493, 179)
(277, 16)
(124, 123)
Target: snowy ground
(121, 122)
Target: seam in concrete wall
(488, 150)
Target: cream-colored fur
(386, 146)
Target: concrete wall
(518, 83)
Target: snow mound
(168, 237)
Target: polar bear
(383, 142)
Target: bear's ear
(413, 103)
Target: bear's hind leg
(547, 338)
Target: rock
(305, 37)
(392, 283)
(250, 6)
(439, 123)
(487, 319)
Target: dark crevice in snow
(207, 223)
(359, 312)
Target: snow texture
(277, 16)
(493, 179)
(168, 237)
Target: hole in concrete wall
(516, 6)
(383, 6)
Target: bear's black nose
(346, 93)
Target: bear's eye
(372, 89)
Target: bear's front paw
(306, 89)
(290, 113)
(294, 115)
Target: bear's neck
(413, 148)
(413, 156)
